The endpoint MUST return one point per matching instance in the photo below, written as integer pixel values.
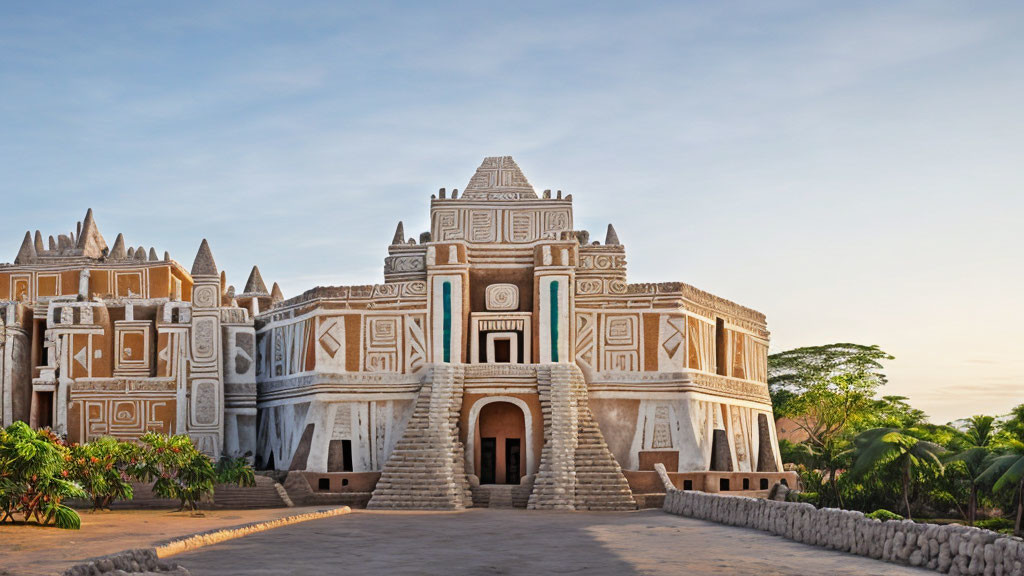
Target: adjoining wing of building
(505, 357)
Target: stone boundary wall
(950, 549)
(138, 561)
(149, 560)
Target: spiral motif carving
(502, 297)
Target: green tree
(974, 457)
(1005, 471)
(826, 391)
(904, 450)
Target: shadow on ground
(482, 541)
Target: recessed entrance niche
(501, 434)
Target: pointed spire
(167, 256)
(118, 252)
(399, 234)
(223, 282)
(255, 285)
(27, 253)
(39, 243)
(90, 241)
(275, 293)
(204, 264)
(52, 244)
(611, 238)
(152, 255)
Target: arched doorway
(502, 445)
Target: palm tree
(1007, 471)
(978, 437)
(880, 447)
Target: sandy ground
(482, 541)
(30, 549)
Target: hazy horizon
(852, 172)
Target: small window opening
(344, 481)
(746, 483)
(324, 484)
(721, 363)
(723, 484)
(687, 484)
(764, 483)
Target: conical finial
(118, 252)
(204, 264)
(52, 244)
(399, 234)
(131, 253)
(90, 241)
(611, 238)
(167, 256)
(223, 282)
(275, 293)
(39, 243)
(27, 253)
(140, 253)
(152, 255)
(255, 285)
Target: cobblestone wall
(950, 549)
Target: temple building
(504, 360)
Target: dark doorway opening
(512, 461)
(488, 460)
(44, 402)
(339, 456)
(502, 351)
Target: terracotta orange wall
(479, 280)
(533, 403)
(501, 421)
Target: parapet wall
(951, 549)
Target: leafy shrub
(34, 479)
(883, 515)
(183, 473)
(103, 468)
(995, 524)
(235, 471)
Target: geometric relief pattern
(671, 341)
(205, 402)
(382, 344)
(662, 428)
(586, 341)
(124, 418)
(415, 343)
(621, 342)
(330, 335)
(701, 345)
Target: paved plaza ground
(487, 541)
(35, 550)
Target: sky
(853, 170)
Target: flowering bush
(38, 471)
(35, 477)
(105, 468)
